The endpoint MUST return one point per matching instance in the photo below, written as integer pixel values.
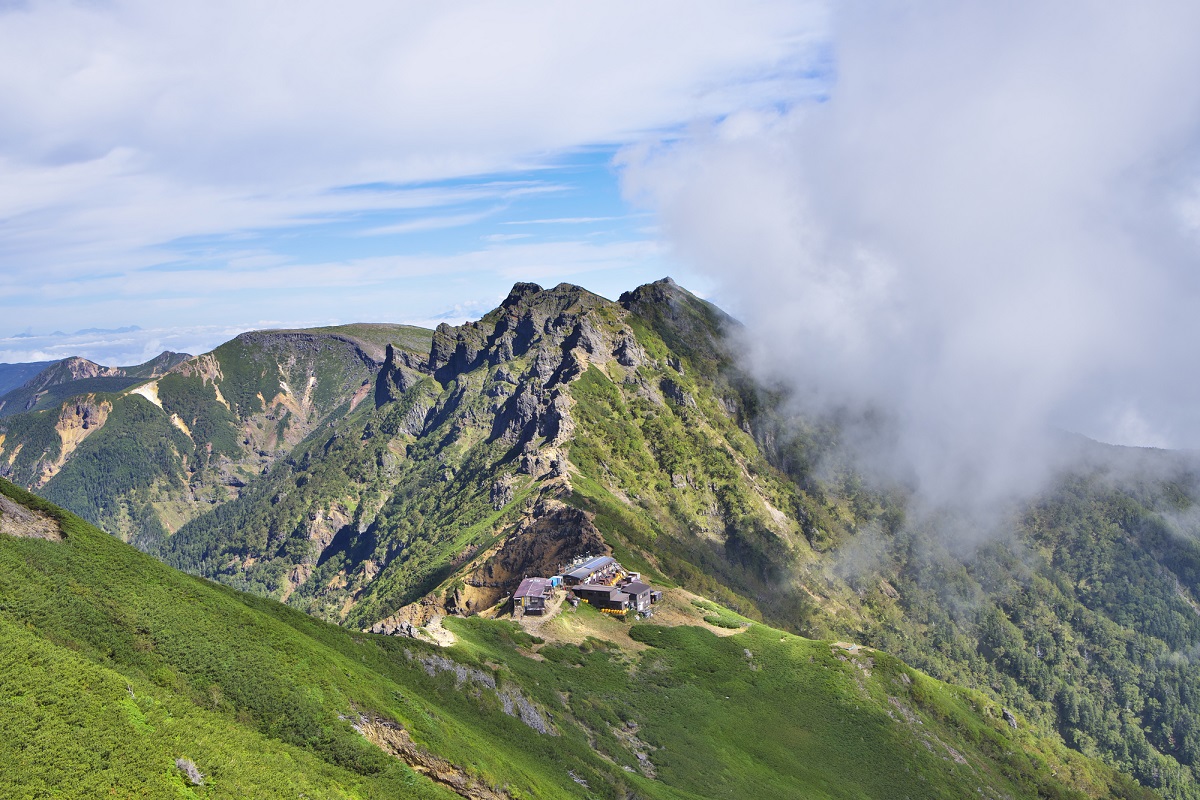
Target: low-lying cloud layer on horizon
(990, 230)
(117, 347)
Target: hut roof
(533, 587)
(584, 570)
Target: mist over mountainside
(986, 231)
(379, 475)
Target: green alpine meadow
(123, 677)
(332, 523)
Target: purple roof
(533, 587)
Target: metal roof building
(586, 570)
(639, 594)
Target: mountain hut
(531, 596)
(605, 598)
(590, 570)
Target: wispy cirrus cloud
(416, 288)
(564, 220)
(135, 134)
(429, 223)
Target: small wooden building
(532, 595)
(639, 595)
(607, 598)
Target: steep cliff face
(437, 479)
(76, 422)
(488, 405)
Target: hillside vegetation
(123, 677)
(205, 425)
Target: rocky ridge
(491, 398)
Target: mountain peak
(520, 291)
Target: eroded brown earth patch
(17, 520)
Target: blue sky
(209, 167)
(422, 252)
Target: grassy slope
(1079, 619)
(113, 666)
(406, 337)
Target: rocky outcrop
(676, 394)
(190, 771)
(512, 700)
(158, 366)
(390, 737)
(502, 492)
(690, 326)
(539, 341)
(516, 420)
(77, 421)
(628, 352)
(532, 412)
(75, 369)
(324, 525)
(551, 536)
(206, 367)
(414, 615)
(401, 371)
(17, 520)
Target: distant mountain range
(384, 477)
(72, 376)
(81, 332)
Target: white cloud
(401, 288)
(506, 237)
(1128, 426)
(128, 124)
(978, 232)
(562, 221)
(112, 348)
(429, 223)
